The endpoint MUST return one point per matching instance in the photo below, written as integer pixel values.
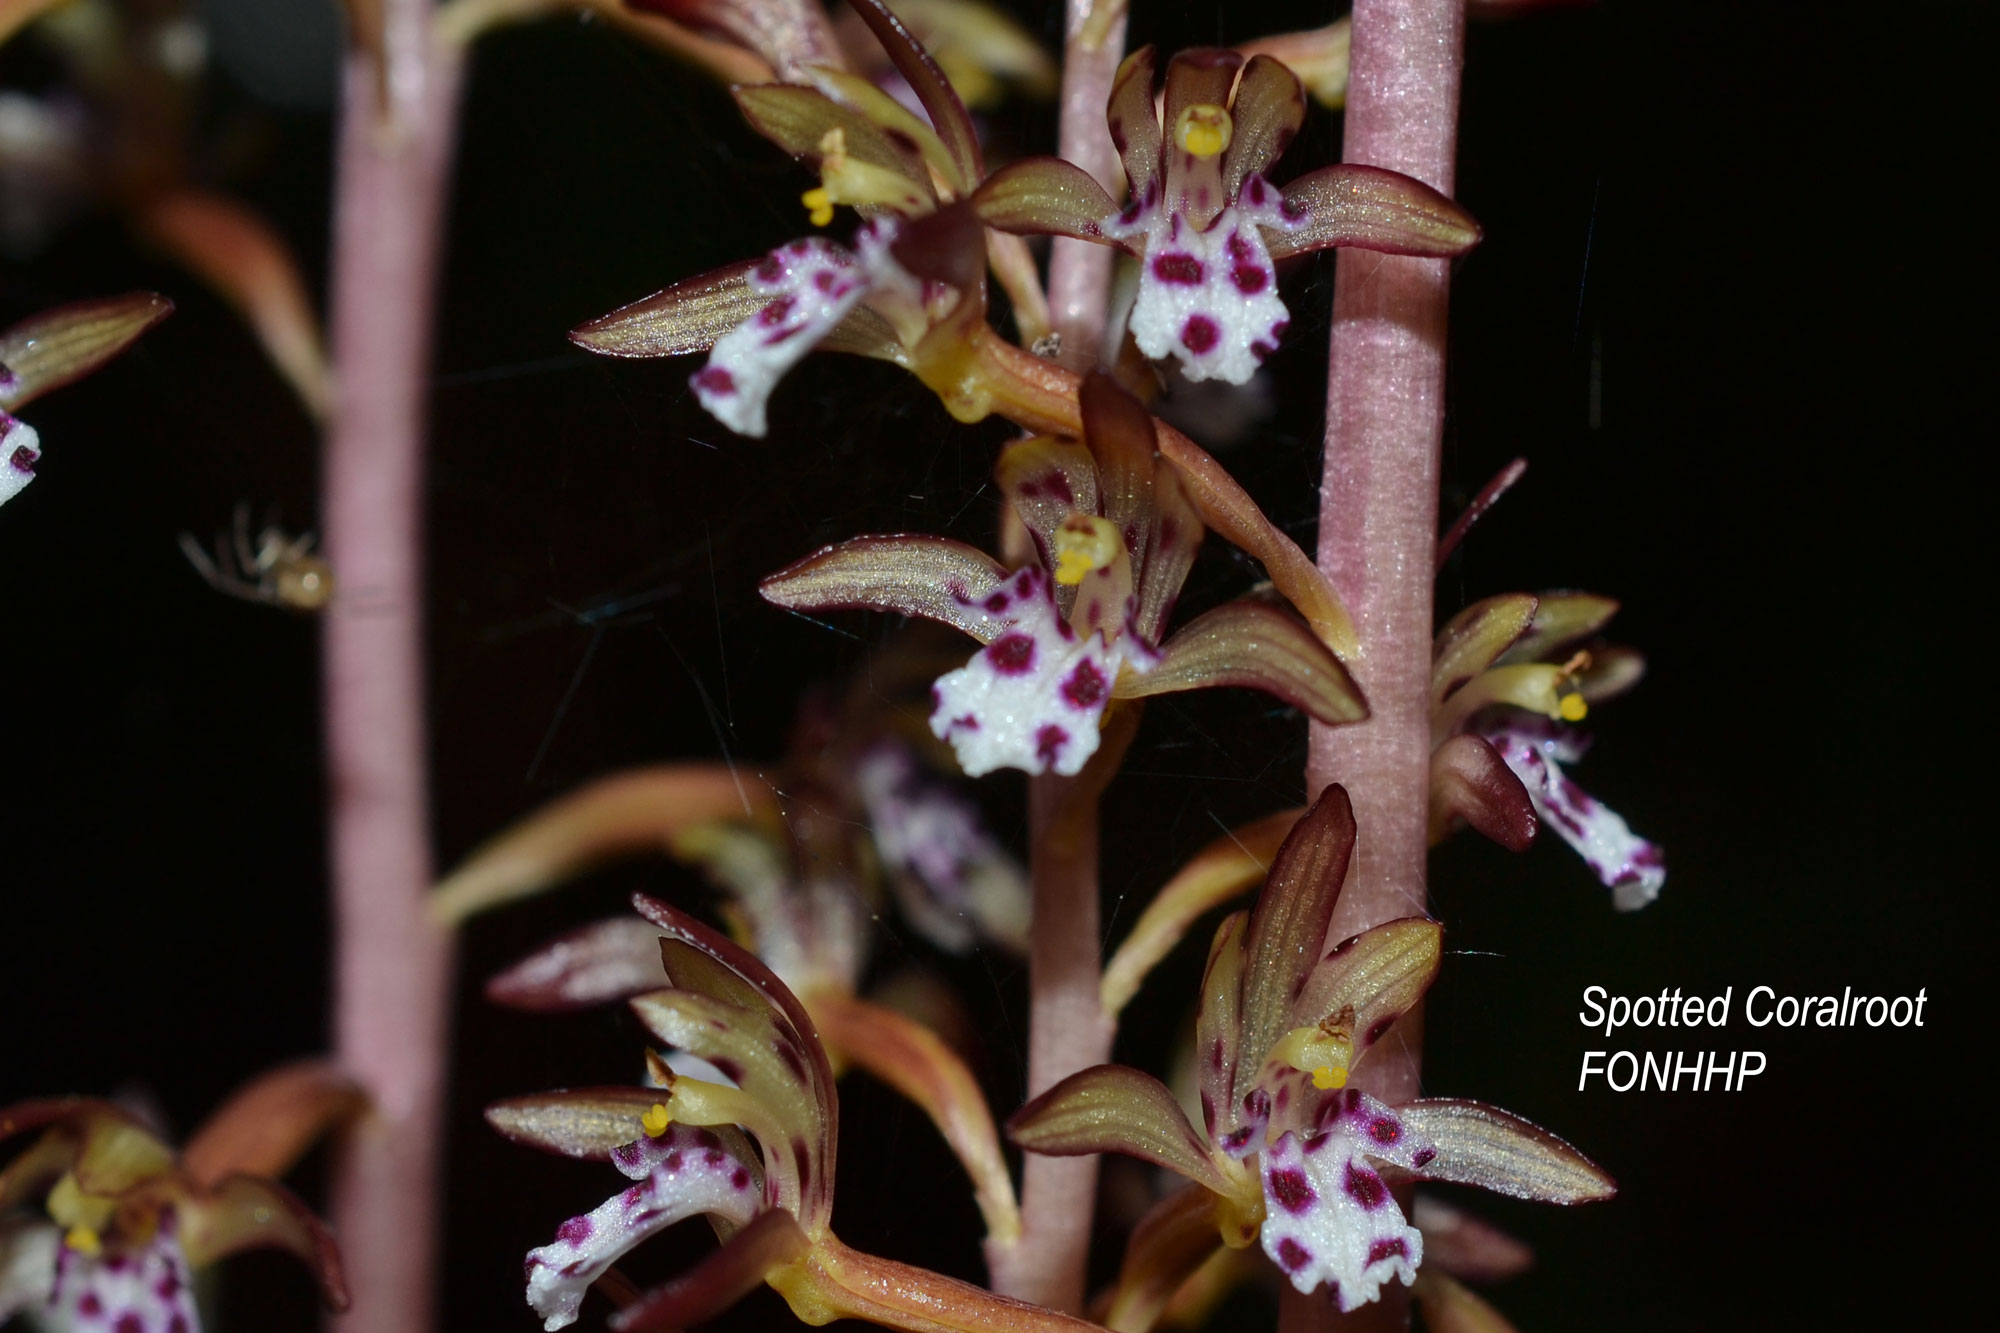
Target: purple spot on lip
(1365, 1187)
(1200, 334)
(1293, 1255)
(770, 270)
(1180, 269)
(576, 1231)
(739, 1178)
(1385, 1130)
(776, 313)
(1291, 1189)
(1012, 654)
(1423, 1157)
(1049, 742)
(1249, 279)
(1086, 686)
(24, 460)
(1388, 1248)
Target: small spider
(279, 570)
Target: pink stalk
(391, 964)
(1378, 508)
(1068, 1030)
(1079, 272)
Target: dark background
(1726, 308)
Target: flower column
(1378, 498)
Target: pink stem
(391, 964)
(1079, 272)
(1379, 499)
(1068, 1030)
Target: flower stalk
(1068, 1026)
(1379, 500)
(391, 962)
(1079, 272)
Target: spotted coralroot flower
(1113, 537)
(1289, 1155)
(49, 350)
(952, 879)
(908, 288)
(123, 1223)
(750, 1147)
(1507, 685)
(1205, 224)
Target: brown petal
(117, 1152)
(1485, 1146)
(611, 960)
(948, 246)
(1372, 209)
(271, 1121)
(1268, 110)
(737, 1040)
(1135, 123)
(941, 104)
(1228, 510)
(576, 1122)
(1218, 1028)
(1470, 781)
(246, 1213)
(1475, 638)
(1561, 619)
(1119, 432)
(916, 575)
(1173, 1239)
(1611, 672)
(889, 116)
(1258, 647)
(790, 35)
(245, 260)
(770, 1241)
(1177, 533)
(1044, 196)
(913, 1060)
(1110, 1108)
(1287, 929)
(48, 350)
(687, 317)
(866, 333)
(1379, 975)
(695, 955)
(626, 813)
(797, 119)
(1230, 865)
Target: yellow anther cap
(1084, 544)
(1203, 129)
(655, 1121)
